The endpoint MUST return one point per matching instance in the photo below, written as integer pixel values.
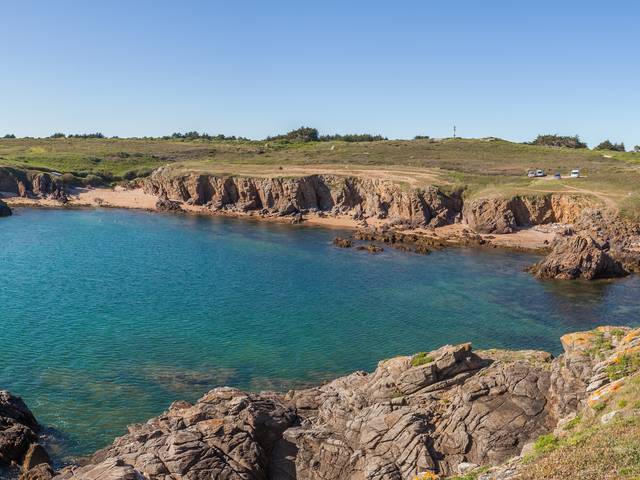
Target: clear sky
(510, 69)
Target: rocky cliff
(430, 412)
(26, 183)
(505, 215)
(359, 197)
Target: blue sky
(511, 69)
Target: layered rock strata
(358, 197)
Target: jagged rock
(18, 428)
(44, 184)
(342, 242)
(42, 471)
(5, 211)
(110, 469)
(31, 182)
(371, 248)
(227, 434)
(578, 256)
(166, 205)
(36, 464)
(622, 236)
(443, 411)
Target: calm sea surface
(107, 316)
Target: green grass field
(482, 167)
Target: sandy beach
(535, 238)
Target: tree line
(575, 142)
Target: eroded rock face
(31, 183)
(359, 197)
(433, 411)
(490, 215)
(504, 215)
(578, 256)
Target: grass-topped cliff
(483, 166)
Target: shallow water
(107, 316)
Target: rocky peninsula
(433, 414)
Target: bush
(421, 358)
(422, 137)
(559, 141)
(607, 145)
(87, 135)
(58, 135)
(546, 443)
(302, 134)
(138, 173)
(636, 149)
(93, 180)
(9, 135)
(352, 137)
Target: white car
(575, 173)
(540, 173)
(531, 173)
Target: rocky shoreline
(591, 243)
(436, 413)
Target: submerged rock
(342, 242)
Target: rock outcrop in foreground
(18, 439)
(430, 412)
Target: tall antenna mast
(454, 131)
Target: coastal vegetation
(479, 166)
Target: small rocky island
(433, 414)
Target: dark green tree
(608, 145)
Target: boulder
(166, 205)
(342, 242)
(18, 428)
(578, 256)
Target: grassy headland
(481, 166)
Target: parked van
(575, 173)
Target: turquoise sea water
(107, 316)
